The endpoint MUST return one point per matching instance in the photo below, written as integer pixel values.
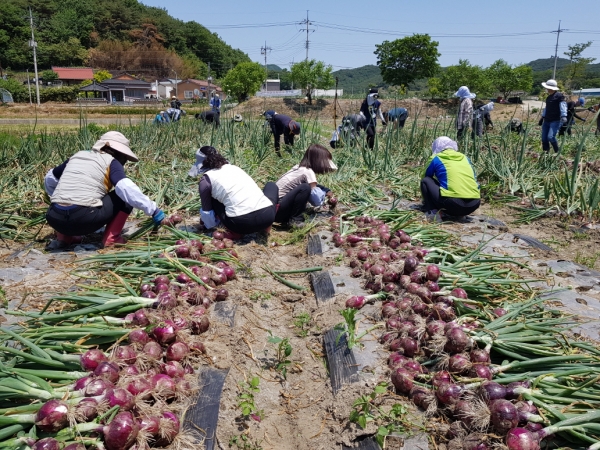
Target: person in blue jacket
(397, 116)
(554, 115)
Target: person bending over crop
(229, 196)
(282, 125)
(465, 111)
(554, 115)
(348, 131)
(571, 116)
(397, 116)
(209, 117)
(299, 185)
(370, 109)
(449, 182)
(82, 195)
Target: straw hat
(116, 141)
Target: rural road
(98, 121)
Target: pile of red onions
(421, 324)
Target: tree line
(113, 35)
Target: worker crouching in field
(465, 111)
(82, 195)
(298, 186)
(481, 114)
(348, 132)
(282, 125)
(396, 116)
(229, 196)
(209, 117)
(449, 182)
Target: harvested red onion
(52, 416)
(402, 380)
(82, 383)
(119, 397)
(97, 387)
(169, 428)
(490, 390)
(163, 385)
(356, 302)
(481, 371)
(161, 279)
(440, 377)
(164, 333)
(174, 369)
(121, 432)
(363, 254)
(448, 393)
(457, 341)
(377, 269)
(522, 439)
(153, 350)
(410, 264)
(176, 351)
(166, 300)
(479, 355)
(140, 385)
(432, 272)
(125, 354)
(504, 415)
(46, 444)
(459, 293)
(459, 363)
(138, 336)
(91, 359)
(499, 312)
(140, 318)
(86, 409)
(107, 371)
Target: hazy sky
(344, 34)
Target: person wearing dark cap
(229, 196)
(209, 117)
(82, 195)
(282, 125)
(571, 116)
(370, 109)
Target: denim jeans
(549, 131)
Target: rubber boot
(112, 232)
(65, 240)
(232, 235)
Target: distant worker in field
(282, 125)
(90, 190)
(595, 109)
(571, 116)
(479, 112)
(209, 117)
(161, 117)
(298, 186)
(348, 131)
(554, 115)
(465, 111)
(449, 182)
(515, 126)
(397, 116)
(370, 109)
(215, 104)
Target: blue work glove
(158, 216)
(563, 120)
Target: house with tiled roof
(73, 75)
(190, 89)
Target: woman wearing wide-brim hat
(553, 115)
(90, 190)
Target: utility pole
(263, 51)
(556, 49)
(29, 87)
(33, 44)
(307, 23)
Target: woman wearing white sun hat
(553, 115)
(82, 195)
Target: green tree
(101, 75)
(575, 71)
(311, 75)
(465, 74)
(244, 80)
(404, 60)
(506, 79)
(49, 75)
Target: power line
(556, 49)
(307, 23)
